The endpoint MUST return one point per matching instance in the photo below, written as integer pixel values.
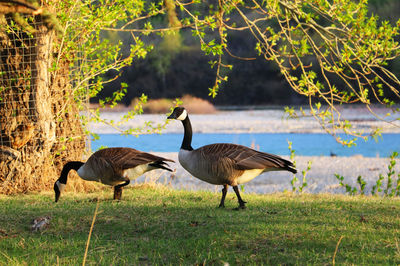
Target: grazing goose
(112, 166)
(224, 163)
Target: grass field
(161, 226)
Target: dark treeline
(177, 67)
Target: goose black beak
(172, 116)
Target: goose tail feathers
(287, 165)
(291, 168)
(161, 165)
(280, 163)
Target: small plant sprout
(391, 173)
(349, 189)
(294, 180)
(398, 185)
(378, 185)
(362, 184)
(304, 173)
(392, 188)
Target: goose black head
(60, 184)
(58, 188)
(179, 113)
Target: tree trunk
(39, 120)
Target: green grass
(162, 226)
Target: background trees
(246, 75)
(329, 52)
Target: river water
(304, 144)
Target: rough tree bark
(39, 120)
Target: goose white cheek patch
(182, 116)
(61, 186)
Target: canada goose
(112, 166)
(225, 163)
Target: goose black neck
(187, 138)
(74, 165)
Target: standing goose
(224, 163)
(112, 166)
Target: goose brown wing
(125, 158)
(262, 160)
(245, 158)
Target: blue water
(303, 144)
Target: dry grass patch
(158, 106)
(194, 105)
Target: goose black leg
(224, 191)
(241, 202)
(118, 190)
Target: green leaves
(93, 43)
(212, 48)
(315, 43)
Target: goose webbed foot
(241, 206)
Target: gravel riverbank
(320, 179)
